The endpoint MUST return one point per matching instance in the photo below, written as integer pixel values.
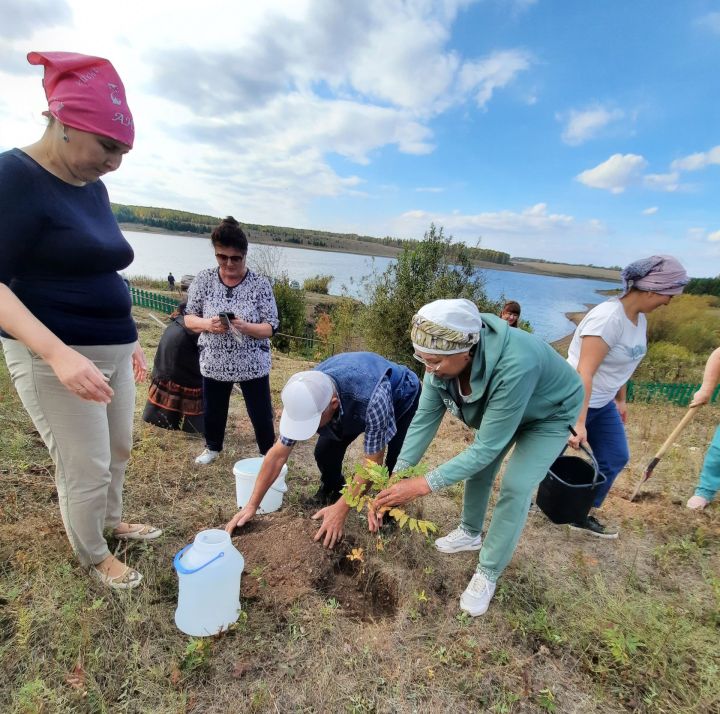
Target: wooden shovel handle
(675, 432)
(661, 451)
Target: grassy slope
(577, 625)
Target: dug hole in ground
(577, 624)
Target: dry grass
(577, 625)
(568, 270)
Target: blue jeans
(710, 475)
(606, 436)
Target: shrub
(346, 316)
(318, 284)
(291, 311)
(671, 322)
(428, 270)
(666, 362)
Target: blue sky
(578, 131)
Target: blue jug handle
(189, 571)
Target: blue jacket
(356, 376)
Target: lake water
(544, 299)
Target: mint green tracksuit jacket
(523, 393)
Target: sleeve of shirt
(430, 412)
(268, 306)
(500, 421)
(603, 325)
(21, 220)
(195, 296)
(380, 424)
(287, 442)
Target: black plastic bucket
(567, 493)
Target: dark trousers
(216, 402)
(329, 453)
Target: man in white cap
(344, 396)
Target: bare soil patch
(283, 565)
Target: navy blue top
(60, 250)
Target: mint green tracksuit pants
(537, 445)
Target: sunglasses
(222, 258)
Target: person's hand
(240, 325)
(402, 492)
(581, 436)
(139, 364)
(375, 519)
(622, 409)
(241, 518)
(333, 521)
(215, 325)
(702, 396)
(80, 375)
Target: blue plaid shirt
(379, 420)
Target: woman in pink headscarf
(606, 348)
(67, 332)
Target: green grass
(576, 625)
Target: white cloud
(246, 112)
(714, 237)
(662, 182)
(651, 211)
(695, 162)
(585, 124)
(710, 21)
(523, 232)
(615, 174)
(482, 77)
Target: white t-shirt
(627, 343)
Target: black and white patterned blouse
(222, 357)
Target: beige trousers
(89, 442)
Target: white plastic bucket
(209, 571)
(246, 473)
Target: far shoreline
(373, 250)
(563, 344)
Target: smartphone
(225, 317)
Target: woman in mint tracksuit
(515, 390)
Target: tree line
(185, 222)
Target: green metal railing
(677, 393)
(145, 298)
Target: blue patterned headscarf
(661, 274)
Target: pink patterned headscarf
(86, 93)
(661, 274)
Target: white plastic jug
(209, 571)
(246, 473)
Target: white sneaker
(207, 457)
(457, 541)
(477, 595)
(697, 503)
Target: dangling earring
(65, 138)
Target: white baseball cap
(305, 397)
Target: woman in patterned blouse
(234, 310)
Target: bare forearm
(257, 330)
(196, 323)
(587, 386)
(270, 469)
(711, 376)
